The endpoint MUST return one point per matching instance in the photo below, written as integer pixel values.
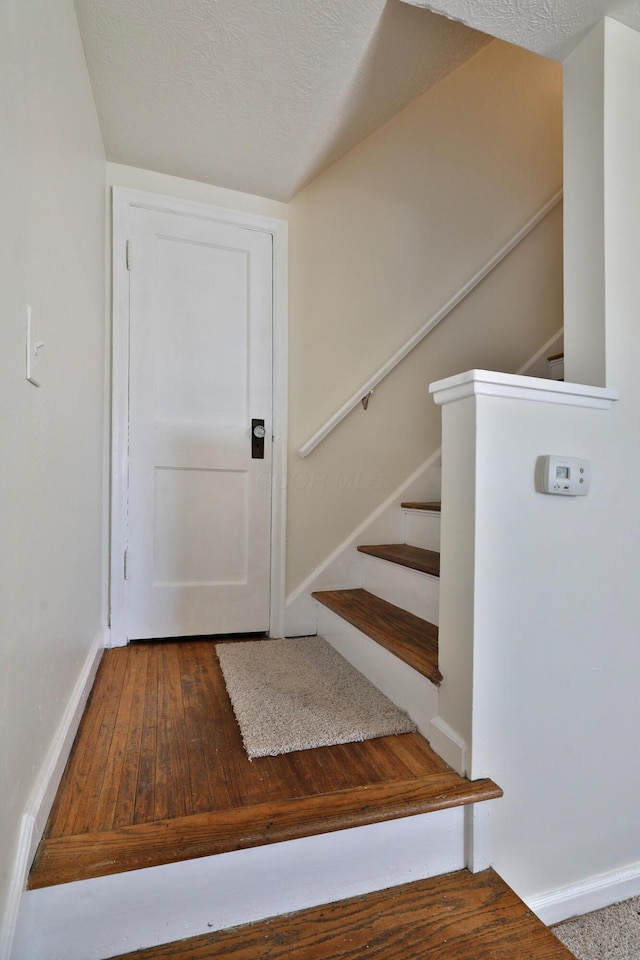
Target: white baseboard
(588, 895)
(144, 908)
(301, 617)
(448, 744)
(43, 794)
(17, 886)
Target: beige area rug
(298, 694)
(609, 934)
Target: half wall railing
(364, 392)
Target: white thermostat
(564, 476)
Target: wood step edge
(454, 916)
(433, 506)
(81, 856)
(405, 635)
(405, 555)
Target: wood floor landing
(158, 774)
(460, 916)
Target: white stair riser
(422, 529)
(398, 681)
(419, 593)
(107, 916)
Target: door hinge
(125, 565)
(128, 254)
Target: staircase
(388, 628)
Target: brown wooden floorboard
(416, 558)
(411, 639)
(460, 916)
(158, 773)
(194, 708)
(145, 788)
(79, 800)
(124, 811)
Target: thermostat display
(564, 476)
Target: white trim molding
(448, 744)
(587, 895)
(512, 386)
(477, 835)
(123, 200)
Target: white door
(199, 495)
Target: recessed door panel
(200, 527)
(201, 332)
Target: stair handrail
(363, 394)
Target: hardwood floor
(460, 916)
(159, 746)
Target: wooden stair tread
(84, 855)
(421, 505)
(411, 639)
(459, 916)
(417, 558)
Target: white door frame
(123, 199)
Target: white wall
(546, 621)
(51, 445)
(379, 242)
(534, 638)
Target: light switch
(34, 351)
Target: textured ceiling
(258, 95)
(549, 27)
